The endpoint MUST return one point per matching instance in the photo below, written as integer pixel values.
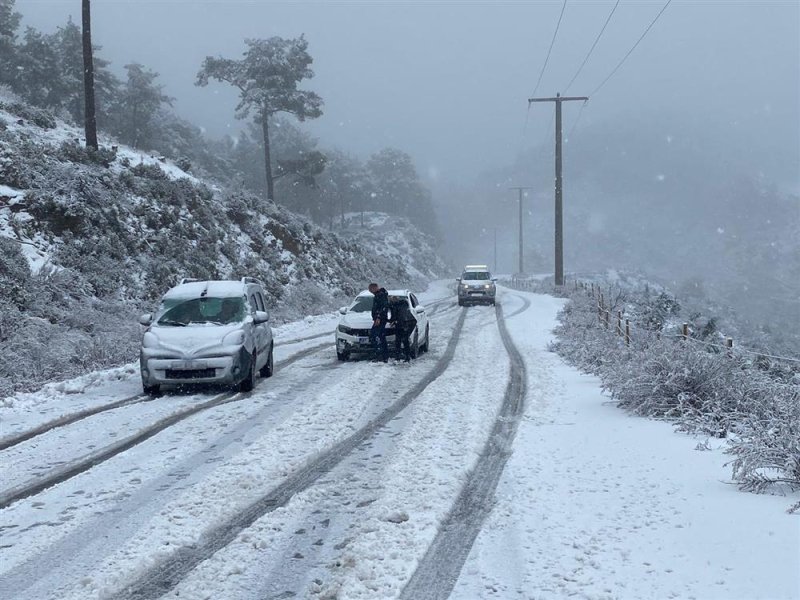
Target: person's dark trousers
(377, 337)
(401, 339)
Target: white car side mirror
(261, 316)
(420, 309)
(146, 319)
(343, 310)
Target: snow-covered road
(485, 469)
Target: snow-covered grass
(594, 504)
(701, 389)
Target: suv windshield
(476, 276)
(179, 312)
(362, 304)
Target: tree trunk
(267, 159)
(89, 116)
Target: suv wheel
(249, 382)
(269, 367)
(414, 350)
(152, 390)
(342, 356)
(427, 345)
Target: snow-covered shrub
(39, 117)
(700, 388)
(78, 153)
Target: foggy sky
(449, 81)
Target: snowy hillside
(90, 238)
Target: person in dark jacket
(380, 315)
(404, 323)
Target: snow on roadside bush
(113, 236)
(700, 388)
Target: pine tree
(9, 23)
(69, 45)
(267, 78)
(90, 114)
(38, 79)
(140, 100)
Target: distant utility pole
(559, 184)
(89, 117)
(521, 190)
(495, 251)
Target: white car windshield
(362, 304)
(475, 276)
(201, 311)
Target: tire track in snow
(80, 465)
(438, 570)
(61, 421)
(64, 420)
(165, 575)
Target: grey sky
(448, 81)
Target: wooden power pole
(89, 117)
(520, 190)
(559, 184)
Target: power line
(597, 39)
(577, 119)
(624, 58)
(550, 50)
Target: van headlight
(150, 340)
(234, 338)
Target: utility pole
(520, 190)
(559, 184)
(495, 251)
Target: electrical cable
(577, 119)
(624, 58)
(597, 39)
(550, 50)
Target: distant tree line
(272, 155)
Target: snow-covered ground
(332, 480)
(598, 504)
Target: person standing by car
(380, 314)
(404, 323)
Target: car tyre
(152, 390)
(249, 382)
(427, 345)
(414, 350)
(461, 303)
(342, 356)
(269, 367)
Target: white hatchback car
(208, 332)
(352, 333)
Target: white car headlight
(150, 340)
(234, 338)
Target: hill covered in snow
(89, 239)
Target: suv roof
(389, 292)
(476, 268)
(217, 289)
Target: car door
(421, 316)
(266, 327)
(257, 330)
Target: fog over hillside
(682, 166)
